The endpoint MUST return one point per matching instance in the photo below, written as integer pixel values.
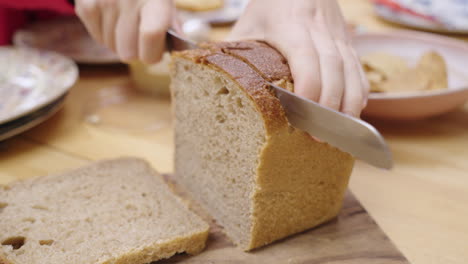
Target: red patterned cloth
(16, 13)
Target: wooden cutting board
(352, 238)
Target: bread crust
(248, 79)
(266, 60)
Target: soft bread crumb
(116, 211)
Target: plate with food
(65, 35)
(413, 75)
(31, 79)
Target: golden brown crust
(301, 184)
(191, 245)
(266, 60)
(248, 79)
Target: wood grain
(22, 158)
(353, 237)
(105, 117)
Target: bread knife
(344, 132)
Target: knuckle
(310, 93)
(354, 105)
(333, 57)
(308, 85)
(331, 101)
(313, 81)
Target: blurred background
(65, 100)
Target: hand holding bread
(312, 35)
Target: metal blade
(348, 134)
(175, 42)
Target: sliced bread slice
(116, 211)
(236, 153)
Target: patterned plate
(17, 126)
(31, 79)
(448, 16)
(67, 36)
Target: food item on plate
(391, 73)
(236, 153)
(412, 79)
(199, 5)
(434, 66)
(384, 63)
(116, 211)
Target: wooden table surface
(422, 204)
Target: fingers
(243, 28)
(243, 31)
(109, 20)
(353, 96)
(132, 29)
(364, 80)
(126, 34)
(331, 68)
(297, 46)
(88, 11)
(155, 20)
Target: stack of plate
(33, 86)
(65, 35)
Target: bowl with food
(413, 75)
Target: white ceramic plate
(17, 126)
(67, 36)
(31, 79)
(408, 19)
(411, 45)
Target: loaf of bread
(236, 153)
(117, 211)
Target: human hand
(313, 37)
(131, 28)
